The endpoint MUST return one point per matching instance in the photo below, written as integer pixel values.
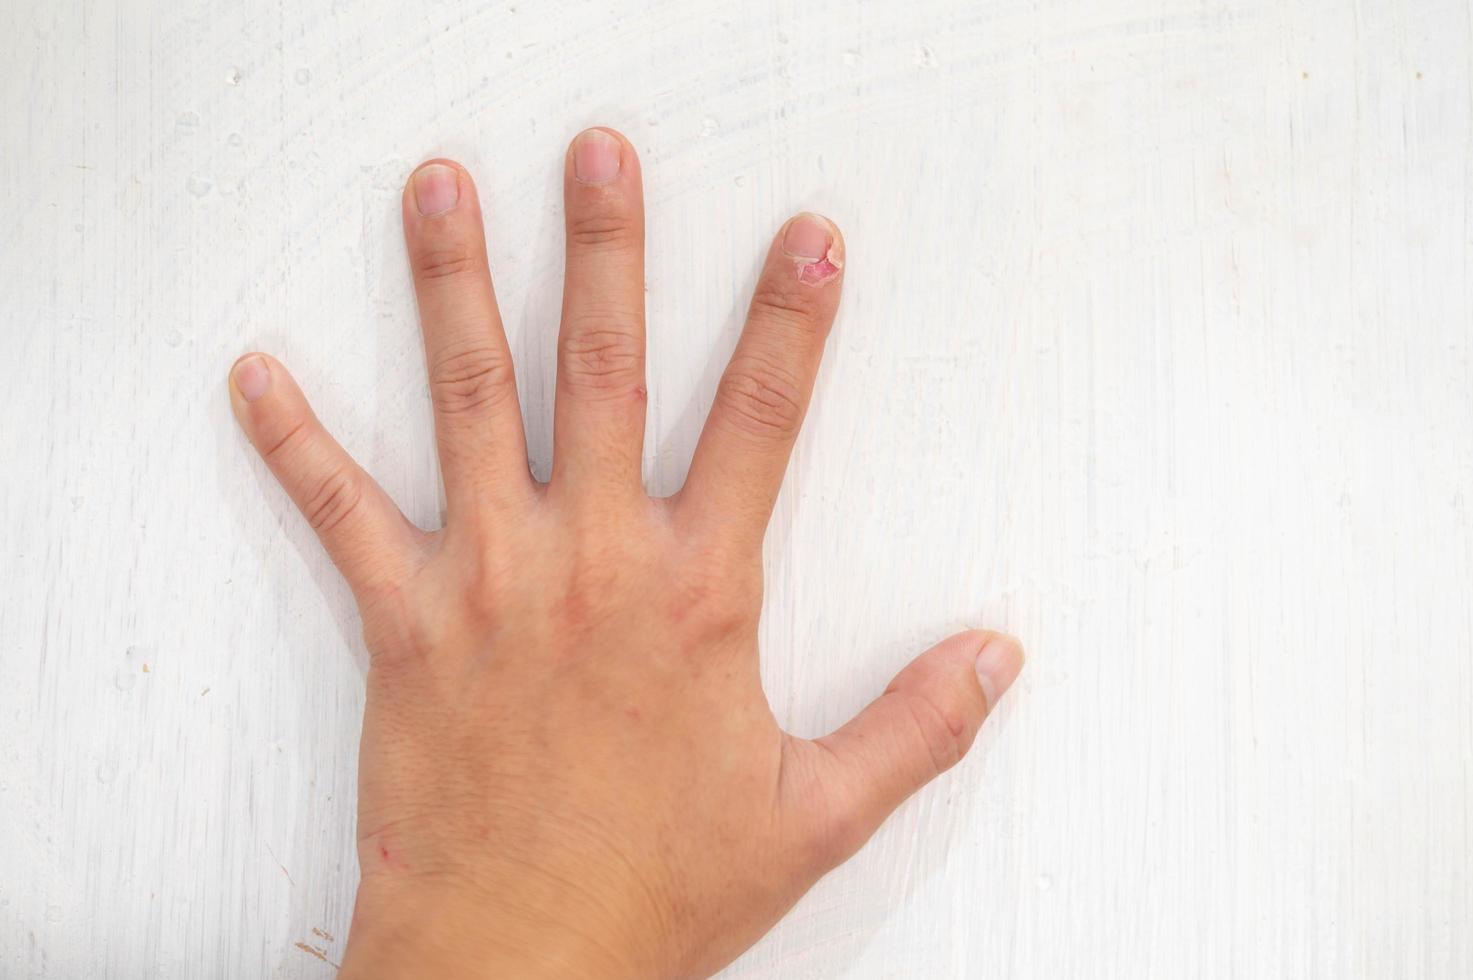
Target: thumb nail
(998, 665)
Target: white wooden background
(1155, 350)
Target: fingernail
(252, 377)
(436, 189)
(998, 666)
(595, 156)
(813, 244)
(808, 237)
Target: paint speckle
(710, 127)
(53, 913)
(850, 58)
(232, 76)
(740, 180)
(302, 76)
(188, 119)
(321, 934)
(926, 56)
(124, 679)
(173, 338)
(235, 139)
(107, 771)
(279, 864)
(198, 186)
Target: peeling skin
(826, 268)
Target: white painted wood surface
(1155, 350)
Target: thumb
(920, 727)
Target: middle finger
(598, 421)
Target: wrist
(417, 931)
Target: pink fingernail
(595, 156)
(436, 189)
(998, 665)
(814, 247)
(252, 377)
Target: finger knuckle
(445, 260)
(602, 229)
(600, 358)
(335, 499)
(939, 728)
(762, 399)
(488, 573)
(584, 603)
(285, 443)
(784, 306)
(433, 620)
(471, 381)
(718, 604)
(387, 612)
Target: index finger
(743, 451)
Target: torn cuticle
(820, 272)
(813, 243)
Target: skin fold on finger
(763, 396)
(598, 420)
(478, 421)
(364, 533)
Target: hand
(568, 766)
